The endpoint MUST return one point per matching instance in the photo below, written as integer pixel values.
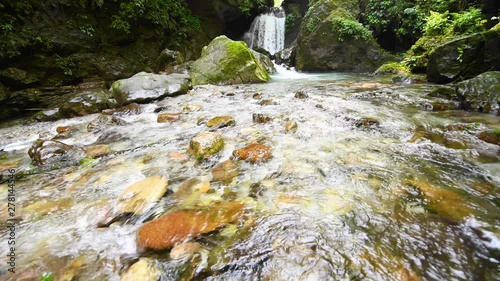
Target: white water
(268, 31)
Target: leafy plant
(347, 28)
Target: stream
(373, 185)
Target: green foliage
(347, 28)
(393, 68)
(468, 22)
(65, 64)
(246, 6)
(290, 21)
(437, 24)
(47, 277)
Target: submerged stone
(225, 171)
(221, 121)
(144, 270)
(48, 152)
(168, 117)
(179, 226)
(140, 196)
(481, 93)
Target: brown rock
(168, 117)
(257, 96)
(63, 129)
(367, 122)
(253, 153)
(491, 136)
(291, 126)
(144, 270)
(178, 226)
(185, 251)
(192, 108)
(301, 95)
(130, 109)
(221, 121)
(205, 145)
(97, 151)
(225, 171)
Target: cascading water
(268, 31)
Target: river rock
(285, 56)
(205, 145)
(192, 108)
(291, 126)
(168, 60)
(185, 251)
(85, 103)
(481, 93)
(179, 226)
(225, 61)
(145, 87)
(225, 171)
(104, 121)
(322, 46)
(48, 152)
(126, 110)
(443, 93)
(367, 122)
(167, 117)
(140, 196)
(253, 153)
(266, 61)
(221, 121)
(301, 95)
(97, 151)
(144, 270)
(47, 115)
(465, 57)
(490, 136)
(261, 118)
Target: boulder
(330, 38)
(145, 87)
(266, 61)
(17, 78)
(140, 196)
(178, 226)
(85, 103)
(465, 57)
(286, 56)
(225, 61)
(48, 152)
(481, 93)
(104, 121)
(205, 145)
(168, 60)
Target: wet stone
(221, 121)
(267, 102)
(253, 153)
(205, 145)
(168, 117)
(104, 121)
(97, 151)
(490, 136)
(291, 126)
(48, 152)
(140, 196)
(225, 171)
(130, 109)
(185, 251)
(257, 96)
(144, 270)
(301, 94)
(192, 108)
(367, 122)
(261, 118)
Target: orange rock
(176, 227)
(168, 117)
(63, 129)
(97, 151)
(253, 153)
(178, 156)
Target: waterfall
(268, 31)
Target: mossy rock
(443, 92)
(465, 57)
(330, 38)
(85, 103)
(393, 68)
(481, 93)
(205, 145)
(225, 61)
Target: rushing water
(338, 200)
(268, 31)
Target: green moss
(393, 68)
(88, 162)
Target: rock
(257, 96)
(324, 45)
(261, 118)
(439, 106)
(490, 136)
(301, 94)
(140, 196)
(465, 57)
(144, 270)
(84, 103)
(285, 56)
(266, 61)
(225, 61)
(168, 60)
(185, 251)
(97, 151)
(110, 137)
(443, 93)
(267, 102)
(205, 145)
(145, 87)
(225, 171)
(409, 79)
(104, 121)
(367, 122)
(48, 152)
(481, 93)
(17, 78)
(179, 226)
(221, 121)
(64, 129)
(47, 115)
(129, 109)
(253, 153)
(168, 117)
(192, 108)
(291, 126)
(393, 68)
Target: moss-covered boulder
(225, 61)
(465, 57)
(330, 38)
(146, 87)
(168, 60)
(481, 93)
(265, 60)
(393, 68)
(84, 103)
